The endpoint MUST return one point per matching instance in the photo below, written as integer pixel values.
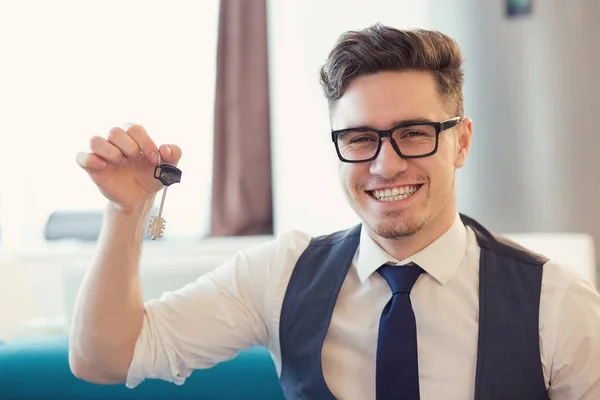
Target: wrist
(137, 211)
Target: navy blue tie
(397, 374)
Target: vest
(508, 356)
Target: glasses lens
(415, 140)
(357, 145)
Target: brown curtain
(241, 188)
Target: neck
(405, 247)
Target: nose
(388, 163)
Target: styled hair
(380, 48)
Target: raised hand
(122, 165)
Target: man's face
(425, 186)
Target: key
(167, 175)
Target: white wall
(72, 69)
(532, 90)
(307, 195)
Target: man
(416, 302)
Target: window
(73, 69)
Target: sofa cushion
(38, 368)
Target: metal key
(168, 175)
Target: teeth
(394, 194)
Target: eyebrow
(394, 123)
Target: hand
(122, 165)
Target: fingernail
(154, 157)
(169, 151)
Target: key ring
(166, 174)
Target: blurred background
(209, 75)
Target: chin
(397, 226)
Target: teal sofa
(38, 368)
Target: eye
(357, 138)
(415, 133)
(363, 139)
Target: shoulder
(291, 244)
(569, 303)
(282, 248)
(569, 325)
(280, 253)
(562, 282)
(502, 245)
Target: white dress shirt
(238, 305)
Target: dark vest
(508, 358)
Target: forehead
(383, 99)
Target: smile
(394, 194)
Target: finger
(147, 145)
(170, 154)
(124, 142)
(106, 150)
(89, 161)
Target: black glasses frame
(439, 128)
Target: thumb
(170, 153)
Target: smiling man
(417, 302)
(401, 187)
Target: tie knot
(400, 278)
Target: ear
(465, 131)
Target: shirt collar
(440, 259)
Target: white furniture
(16, 298)
(38, 290)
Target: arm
(211, 319)
(109, 310)
(197, 326)
(115, 338)
(575, 370)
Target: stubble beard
(397, 225)
(402, 224)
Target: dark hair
(381, 48)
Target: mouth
(394, 193)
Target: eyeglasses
(410, 140)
